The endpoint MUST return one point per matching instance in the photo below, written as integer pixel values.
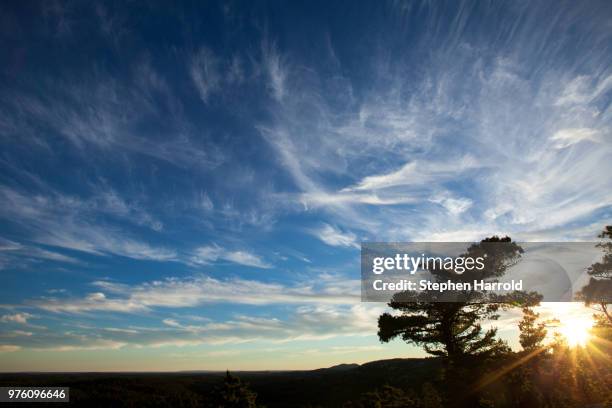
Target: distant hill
(341, 367)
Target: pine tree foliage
(532, 332)
(454, 329)
(598, 292)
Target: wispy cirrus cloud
(210, 254)
(205, 73)
(101, 114)
(334, 237)
(418, 173)
(276, 69)
(214, 75)
(64, 221)
(194, 291)
(477, 146)
(567, 137)
(15, 253)
(304, 323)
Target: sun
(576, 331)
(572, 320)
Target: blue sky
(187, 187)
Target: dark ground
(327, 387)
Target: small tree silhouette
(232, 393)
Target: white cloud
(313, 200)
(209, 254)
(334, 237)
(171, 322)
(91, 302)
(21, 318)
(583, 89)
(246, 258)
(453, 205)
(567, 137)
(88, 344)
(17, 333)
(403, 176)
(418, 173)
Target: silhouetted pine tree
(453, 329)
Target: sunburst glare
(576, 331)
(572, 320)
